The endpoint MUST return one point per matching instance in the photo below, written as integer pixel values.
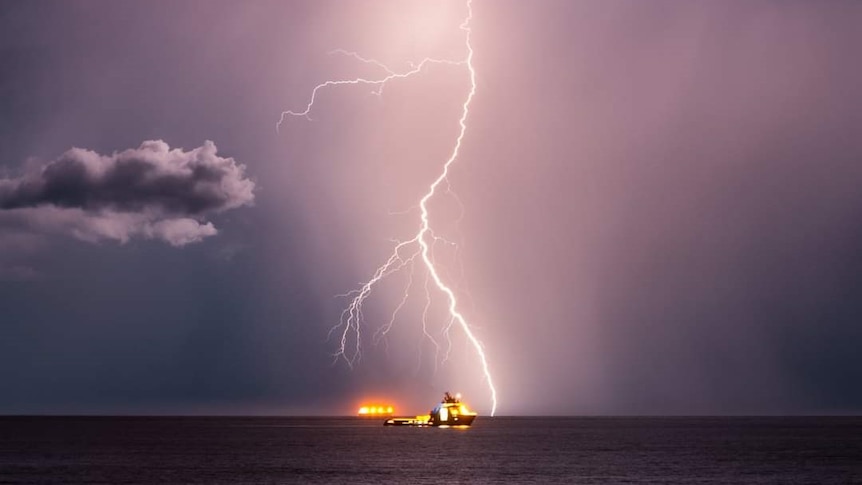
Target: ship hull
(405, 422)
(461, 420)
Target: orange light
(376, 410)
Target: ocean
(578, 450)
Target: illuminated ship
(449, 412)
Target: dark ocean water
(119, 450)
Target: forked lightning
(405, 254)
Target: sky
(655, 209)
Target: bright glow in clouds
(405, 253)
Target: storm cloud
(152, 191)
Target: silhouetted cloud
(153, 192)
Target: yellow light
(376, 409)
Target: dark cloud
(153, 192)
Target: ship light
(375, 410)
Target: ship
(451, 411)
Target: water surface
(132, 450)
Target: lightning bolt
(419, 248)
